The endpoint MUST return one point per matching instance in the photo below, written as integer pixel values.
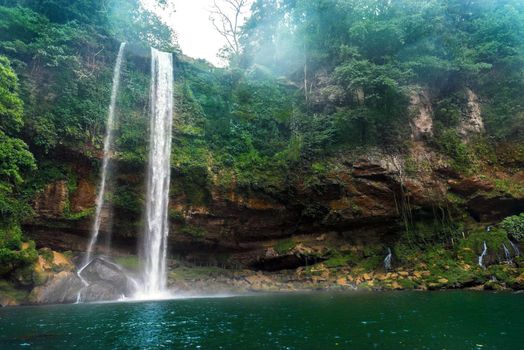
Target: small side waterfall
(387, 260)
(158, 177)
(481, 256)
(515, 248)
(108, 139)
(507, 254)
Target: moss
(193, 231)
(456, 199)
(176, 216)
(79, 215)
(340, 260)
(8, 289)
(449, 142)
(502, 273)
(284, 246)
(129, 262)
(410, 166)
(371, 263)
(473, 244)
(190, 273)
(47, 254)
(509, 186)
(407, 283)
(319, 168)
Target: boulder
(61, 288)
(7, 300)
(106, 281)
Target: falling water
(481, 256)
(387, 260)
(507, 254)
(515, 248)
(105, 162)
(157, 200)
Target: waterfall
(515, 248)
(108, 139)
(158, 177)
(507, 254)
(481, 256)
(387, 260)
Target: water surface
(404, 320)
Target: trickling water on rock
(387, 260)
(482, 255)
(507, 254)
(158, 177)
(515, 248)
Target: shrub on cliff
(514, 225)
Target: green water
(439, 320)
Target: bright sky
(196, 35)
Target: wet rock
(492, 208)
(61, 288)
(107, 281)
(6, 300)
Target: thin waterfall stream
(483, 254)
(158, 176)
(108, 140)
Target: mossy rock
(284, 246)
(129, 262)
(10, 295)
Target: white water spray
(108, 140)
(481, 257)
(158, 177)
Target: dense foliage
(514, 225)
(312, 78)
(15, 161)
(316, 77)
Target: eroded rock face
(422, 122)
(472, 124)
(84, 196)
(51, 202)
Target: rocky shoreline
(57, 280)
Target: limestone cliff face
(51, 202)
(363, 200)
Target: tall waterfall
(108, 139)
(158, 177)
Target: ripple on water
(399, 321)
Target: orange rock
(342, 281)
(396, 285)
